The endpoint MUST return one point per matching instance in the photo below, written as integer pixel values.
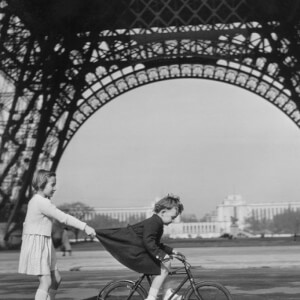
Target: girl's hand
(90, 231)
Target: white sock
(41, 295)
(52, 294)
(152, 295)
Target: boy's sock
(52, 294)
(41, 295)
(152, 295)
(150, 298)
(168, 293)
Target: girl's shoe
(169, 292)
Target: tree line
(81, 211)
(287, 222)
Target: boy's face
(168, 215)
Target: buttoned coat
(137, 246)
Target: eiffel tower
(63, 60)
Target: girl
(38, 255)
(138, 246)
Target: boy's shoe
(168, 293)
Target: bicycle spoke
(121, 292)
(210, 291)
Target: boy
(138, 246)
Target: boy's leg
(158, 281)
(41, 295)
(167, 290)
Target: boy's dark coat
(137, 246)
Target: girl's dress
(137, 246)
(38, 256)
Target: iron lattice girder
(79, 16)
(158, 46)
(169, 42)
(169, 48)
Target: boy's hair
(40, 179)
(168, 202)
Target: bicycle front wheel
(208, 290)
(122, 290)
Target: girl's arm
(50, 210)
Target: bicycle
(134, 290)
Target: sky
(198, 139)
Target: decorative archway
(59, 69)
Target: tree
(188, 218)
(287, 222)
(259, 225)
(103, 221)
(78, 210)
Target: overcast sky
(201, 140)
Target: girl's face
(168, 215)
(50, 187)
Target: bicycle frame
(185, 270)
(194, 289)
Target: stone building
(229, 217)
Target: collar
(155, 216)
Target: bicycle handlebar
(182, 259)
(177, 256)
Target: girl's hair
(168, 202)
(40, 179)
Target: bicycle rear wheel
(208, 290)
(122, 290)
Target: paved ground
(256, 273)
(244, 284)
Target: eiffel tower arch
(61, 61)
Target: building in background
(229, 217)
(234, 206)
(122, 214)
